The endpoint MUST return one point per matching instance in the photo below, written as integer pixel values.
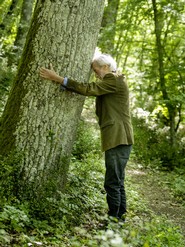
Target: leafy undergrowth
(78, 217)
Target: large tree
(39, 121)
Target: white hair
(105, 59)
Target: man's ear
(106, 66)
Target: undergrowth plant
(176, 183)
(80, 216)
(9, 177)
(152, 146)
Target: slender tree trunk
(108, 31)
(6, 24)
(26, 13)
(24, 24)
(160, 51)
(39, 120)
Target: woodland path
(158, 195)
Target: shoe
(113, 219)
(122, 218)
(110, 222)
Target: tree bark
(39, 120)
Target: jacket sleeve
(106, 86)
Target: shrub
(87, 140)
(13, 219)
(9, 177)
(7, 74)
(152, 146)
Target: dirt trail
(159, 197)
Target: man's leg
(123, 204)
(115, 161)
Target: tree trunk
(160, 50)
(39, 120)
(108, 31)
(24, 24)
(6, 24)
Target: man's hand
(50, 74)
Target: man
(112, 109)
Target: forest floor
(152, 186)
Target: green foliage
(152, 146)
(67, 205)
(82, 215)
(155, 72)
(143, 138)
(176, 182)
(7, 74)
(77, 217)
(86, 141)
(178, 185)
(138, 233)
(81, 199)
(13, 219)
(9, 177)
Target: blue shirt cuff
(62, 86)
(65, 81)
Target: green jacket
(112, 108)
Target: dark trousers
(115, 162)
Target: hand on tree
(50, 74)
